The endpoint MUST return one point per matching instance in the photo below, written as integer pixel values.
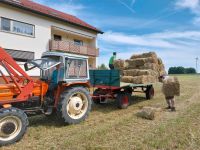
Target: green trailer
(107, 85)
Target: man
(111, 61)
(170, 89)
(54, 82)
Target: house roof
(50, 12)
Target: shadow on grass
(42, 120)
(111, 106)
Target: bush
(181, 70)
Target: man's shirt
(54, 77)
(111, 61)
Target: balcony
(70, 47)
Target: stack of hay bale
(141, 69)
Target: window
(78, 42)
(5, 24)
(17, 27)
(22, 28)
(76, 69)
(57, 37)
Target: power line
(197, 59)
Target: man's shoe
(173, 109)
(168, 107)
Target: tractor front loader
(21, 96)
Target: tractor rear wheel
(74, 106)
(13, 125)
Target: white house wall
(39, 43)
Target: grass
(110, 128)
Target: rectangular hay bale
(139, 79)
(119, 64)
(138, 72)
(171, 87)
(144, 55)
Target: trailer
(106, 85)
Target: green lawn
(110, 128)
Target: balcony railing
(70, 47)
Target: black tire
(64, 102)
(123, 100)
(9, 119)
(97, 100)
(149, 92)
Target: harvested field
(113, 129)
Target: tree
(181, 70)
(102, 67)
(176, 70)
(190, 71)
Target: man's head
(114, 53)
(57, 66)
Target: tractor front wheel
(13, 125)
(75, 105)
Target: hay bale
(127, 79)
(131, 72)
(139, 79)
(138, 72)
(119, 64)
(162, 70)
(171, 87)
(146, 113)
(141, 63)
(160, 62)
(151, 66)
(144, 55)
(131, 64)
(147, 72)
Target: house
(27, 29)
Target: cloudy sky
(169, 27)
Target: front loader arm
(16, 72)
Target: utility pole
(197, 59)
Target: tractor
(22, 95)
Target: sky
(171, 28)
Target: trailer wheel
(97, 100)
(149, 92)
(74, 106)
(123, 100)
(13, 125)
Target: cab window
(76, 68)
